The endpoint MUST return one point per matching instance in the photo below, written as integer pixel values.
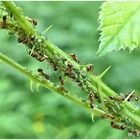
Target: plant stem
(17, 15)
(52, 50)
(48, 84)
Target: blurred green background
(44, 114)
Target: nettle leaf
(119, 26)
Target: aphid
(4, 24)
(73, 56)
(89, 68)
(40, 71)
(136, 98)
(62, 82)
(91, 99)
(109, 116)
(120, 127)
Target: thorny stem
(24, 24)
(48, 84)
(93, 80)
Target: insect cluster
(37, 50)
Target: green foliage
(119, 26)
(73, 35)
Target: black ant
(91, 98)
(4, 18)
(40, 71)
(73, 56)
(121, 127)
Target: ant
(121, 127)
(104, 116)
(62, 82)
(4, 18)
(23, 40)
(73, 56)
(36, 55)
(134, 132)
(89, 68)
(32, 21)
(117, 98)
(91, 98)
(40, 71)
(69, 71)
(41, 58)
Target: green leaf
(119, 26)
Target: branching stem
(93, 81)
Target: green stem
(17, 15)
(54, 50)
(48, 84)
